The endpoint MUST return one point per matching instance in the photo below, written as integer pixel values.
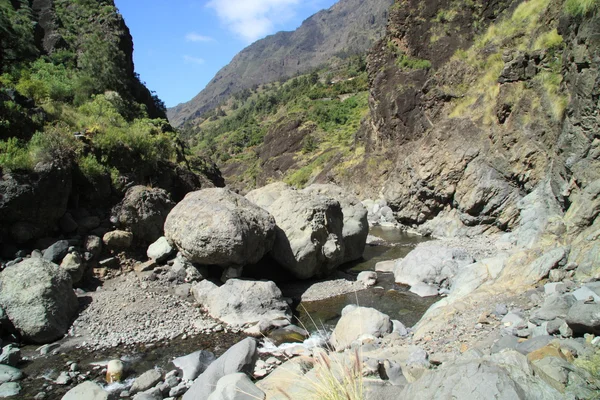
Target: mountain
(348, 27)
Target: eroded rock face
(356, 225)
(143, 212)
(38, 299)
(309, 239)
(217, 226)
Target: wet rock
(236, 387)
(288, 334)
(11, 355)
(160, 250)
(239, 302)
(57, 251)
(38, 298)
(118, 240)
(424, 290)
(356, 225)
(63, 379)
(73, 264)
(584, 317)
(147, 380)
(357, 322)
(194, 364)
(9, 389)
(239, 358)
(9, 374)
(368, 278)
(220, 227)
(143, 212)
(309, 240)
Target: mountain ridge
(288, 53)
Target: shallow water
(387, 297)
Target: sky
(180, 45)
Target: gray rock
(505, 342)
(356, 225)
(555, 306)
(585, 293)
(501, 310)
(309, 240)
(239, 358)
(236, 387)
(178, 390)
(38, 298)
(368, 278)
(11, 355)
(194, 364)
(118, 240)
(154, 395)
(357, 322)
(399, 328)
(430, 264)
(9, 374)
(540, 268)
(554, 287)
(147, 380)
(57, 251)
(63, 379)
(73, 264)
(143, 212)
(533, 344)
(584, 318)
(240, 302)
(9, 389)
(424, 290)
(220, 227)
(160, 250)
(87, 390)
(513, 320)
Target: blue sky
(181, 44)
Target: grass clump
(550, 40)
(580, 7)
(14, 155)
(406, 62)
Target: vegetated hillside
(76, 124)
(348, 27)
(285, 131)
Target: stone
(143, 212)
(145, 266)
(424, 290)
(118, 240)
(73, 264)
(11, 355)
(288, 334)
(38, 299)
(63, 379)
(385, 266)
(93, 245)
(555, 306)
(356, 225)
(194, 364)
(584, 293)
(367, 278)
(540, 268)
(236, 387)
(584, 318)
(9, 389)
(9, 374)
(160, 250)
(114, 371)
(146, 381)
(219, 227)
(57, 251)
(399, 328)
(242, 302)
(357, 322)
(309, 240)
(241, 357)
(430, 264)
(557, 275)
(513, 320)
(555, 287)
(533, 344)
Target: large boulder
(143, 211)
(584, 317)
(309, 239)
(266, 195)
(236, 387)
(217, 226)
(358, 321)
(240, 302)
(241, 357)
(38, 299)
(430, 263)
(356, 225)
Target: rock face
(143, 212)
(428, 264)
(309, 239)
(218, 226)
(356, 225)
(239, 302)
(38, 298)
(239, 358)
(357, 321)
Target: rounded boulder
(219, 227)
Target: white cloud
(194, 37)
(253, 19)
(193, 60)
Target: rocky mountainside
(348, 27)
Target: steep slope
(348, 27)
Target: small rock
(87, 390)
(146, 266)
(118, 240)
(93, 245)
(9, 389)
(194, 364)
(112, 262)
(424, 290)
(11, 355)
(47, 348)
(501, 310)
(147, 380)
(57, 251)
(368, 278)
(557, 275)
(160, 250)
(63, 379)
(555, 287)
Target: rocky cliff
(348, 27)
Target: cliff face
(349, 26)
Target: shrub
(55, 143)
(91, 168)
(580, 7)
(407, 62)
(14, 156)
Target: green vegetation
(581, 7)
(407, 62)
